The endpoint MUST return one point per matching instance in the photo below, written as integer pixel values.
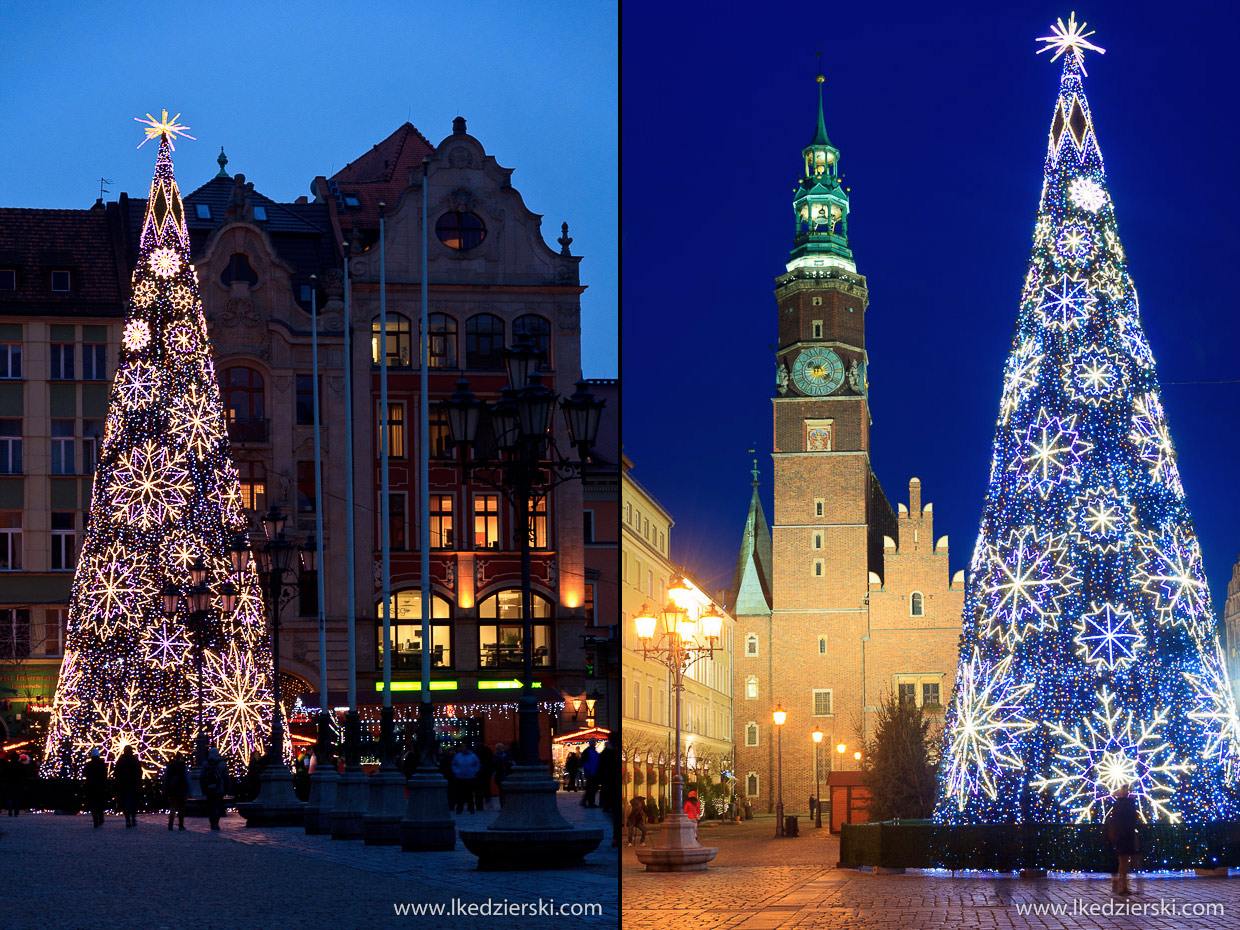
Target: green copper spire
(820, 204)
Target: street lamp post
(276, 804)
(817, 782)
(779, 716)
(516, 455)
(678, 647)
(196, 599)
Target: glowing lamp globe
(780, 715)
(817, 735)
(645, 625)
(712, 623)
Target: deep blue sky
(292, 90)
(941, 112)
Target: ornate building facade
(843, 599)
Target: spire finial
(754, 471)
(820, 134)
(1070, 38)
(222, 161)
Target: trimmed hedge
(921, 844)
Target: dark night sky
(941, 112)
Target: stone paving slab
(758, 882)
(57, 871)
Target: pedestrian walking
(482, 784)
(214, 783)
(465, 766)
(127, 773)
(95, 773)
(589, 768)
(693, 810)
(572, 765)
(1121, 833)
(502, 767)
(637, 819)
(176, 789)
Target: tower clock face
(817, 371)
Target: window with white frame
(91, 431)
(60, 366)
(64, 541)
(10, 447)
(62, 447)
(818, 567)
(751, 734)
(94, 362)
(751, 785)
(817, 540)
(751, 688)
(822, 645)
(751, 644)
(823, 704)
(10, 540)
(916, 605)
(10, 360)
(820, 506)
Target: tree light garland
(1089, 657)
(166, 493)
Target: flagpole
(348, 490)
(384, 504)
(318, 500)
(427, 732)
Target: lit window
(14, 633)
(395, 431)
(460, 231)
(751, 688)
(406, 620)
(399, 341)
(538, 523)
(254, 485)
(486, 521)
(442, 536)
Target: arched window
(238, 269)
(916, 605)
(536, 330)
(484, 342)
(751, 734)
(500, 630)
(751, 644)
(441, 350)
(406, 617)
(751, 688)
(399, 341)
(751, 785)
(243, 401)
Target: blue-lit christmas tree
(1089, 657)
(166, 501)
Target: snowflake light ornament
(1027, 576)
(1066, 304)
(150, 486)
(182, 298)
(1087, 194)
(165, 262)
(196, 421)
(1102, 519)
(1134, 340)
(1110, 750)
(131, 720)
(165, 645)
(181, 338)
(1094, 375)
(1051, 453)
(989, 724)
(1152, 440)
(1214, 710)
(137, 335)
(1107, 637)
(1075, 244)
(1170, 571)
(1020, 377)
(145, 293)
(136, 385)
(1113, 243)
(238, 701)
(117, 585)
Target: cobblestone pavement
(758, 882)
(56, 871)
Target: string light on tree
(1089, 657)
(166, 494)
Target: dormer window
(60, 282)
(306, 293)
(260, 213)
(352, 201)
(8, 279)
(203, 210)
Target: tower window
(751, 644)
(822, 703)
(751, 785)
(751, 735)
(818, 568)
(822, 645)
(816, 301)
(817, 540)
(816, 327)
(751, 688)
(917, 605)
(819, 506)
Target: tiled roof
(216, 193)
(35, 242)
(378, 176)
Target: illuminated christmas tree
(166, 495)
(1089, 658)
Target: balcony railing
(248, 429)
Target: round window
(463, 231)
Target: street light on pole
(684, 640)
(779, 716)
(817, 781)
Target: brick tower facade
(845, 601)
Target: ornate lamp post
(779, 716)
(196, 599)
(276, 804)
(508, 445)
(817, 734)
(684, 640)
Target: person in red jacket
(693, 810)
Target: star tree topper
(171, 128)
(1070, 38)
